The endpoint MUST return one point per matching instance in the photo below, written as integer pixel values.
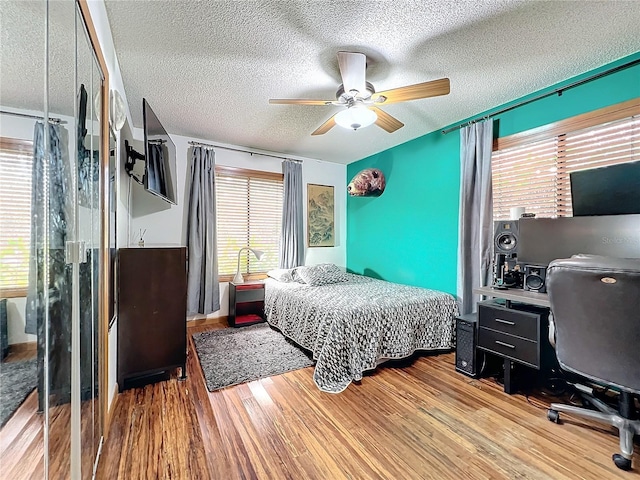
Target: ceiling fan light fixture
(360, 101)
(356, 117)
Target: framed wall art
(321, 230)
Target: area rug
(231, 356)
(17, 380)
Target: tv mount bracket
(132, 157)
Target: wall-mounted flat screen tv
(160, 153)
(612, 190)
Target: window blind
(525, 176)
(609, 144)
(536, 174)
(16, 160)
(249, 213)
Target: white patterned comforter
(350, 327)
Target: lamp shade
(238, 278)
(356, 117)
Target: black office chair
(595, 306)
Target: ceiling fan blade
(299, 101)
(325, 127)
(352, 70)
(386, 121)
(433, 88)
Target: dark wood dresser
(152, 314)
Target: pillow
(281, 274)
(323, 274)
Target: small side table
(246, 303)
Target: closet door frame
(103, 284)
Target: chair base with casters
(627, 426)
(594, 302)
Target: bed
(352, 323)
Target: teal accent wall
(410, 233)
(400, 235)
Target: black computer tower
(466, 335)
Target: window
(249, 213)
(531, 169)
(16, 159)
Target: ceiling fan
(361, 102)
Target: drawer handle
(505, 344)
(506, 322)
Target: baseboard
(211, 321)
(23, 347)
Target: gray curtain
(475, 238)
(52, 175)
(203, 291)
(49, 291)
(292, 235)
(156, 178)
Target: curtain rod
(557, 91)
(208, 145)
(36, 117)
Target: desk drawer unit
(509, 346)
(512, 333)
(514, 322)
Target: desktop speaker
(505, 237)
(466, 357)
(535, 278)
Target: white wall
(18, 127)
(103, 32)
(166, 224)
(16, 321)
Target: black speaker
(505, 237)
(535, 278)
(466, 357)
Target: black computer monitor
(612, 190)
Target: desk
(515, 332)
(516, 295)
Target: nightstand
(246, 303)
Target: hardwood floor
(22, 437)
(22, 442)
(417, 422)
(24, 351)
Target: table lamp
(258, 253)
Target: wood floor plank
(414, 420)
(217, 462)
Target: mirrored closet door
(51, 95)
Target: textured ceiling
(208, 69)
(22, 55)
